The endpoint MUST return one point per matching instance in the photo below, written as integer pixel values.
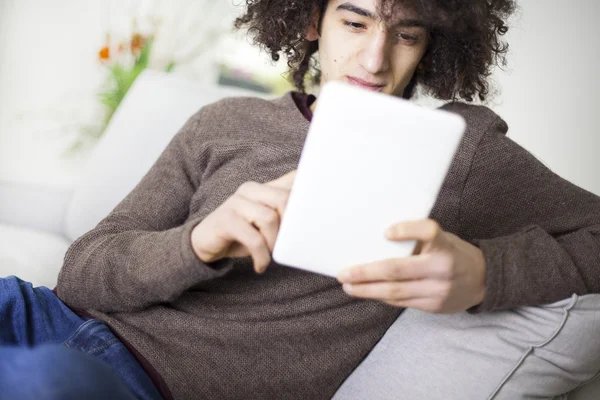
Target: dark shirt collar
(303, 102)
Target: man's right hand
(246, 224)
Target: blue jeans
(49, 352)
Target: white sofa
(38, 223)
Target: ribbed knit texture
(220, 331)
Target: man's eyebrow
(406, 22)
(355, 9)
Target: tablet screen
(370, 160)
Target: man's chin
(384, 90)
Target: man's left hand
(444, 274)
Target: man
(172, 270)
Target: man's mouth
(376, 87)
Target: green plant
(120, 80)
(122, 74)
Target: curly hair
(465, 40)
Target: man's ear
(312, 33)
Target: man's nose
(374, 56)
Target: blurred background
(65, 65)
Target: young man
(172, 270)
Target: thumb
(285, 181)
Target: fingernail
(344, 275)
(347, 288)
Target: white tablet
(369, 161)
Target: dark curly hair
(464, 40)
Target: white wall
(551, 92)
(48, 65)
(48, 77)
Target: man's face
(356, 47)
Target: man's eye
(354, 25)
(406, 37)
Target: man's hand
(444, 275)
(246, 224)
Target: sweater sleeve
(141, 253)
(539, 233)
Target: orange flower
(104, 54)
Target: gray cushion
(525, 353)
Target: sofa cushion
(32, 255)
(155, 108)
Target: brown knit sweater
(220, 331)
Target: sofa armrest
(40, 207)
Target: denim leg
(31, 317)
(94, 338)
(55, 372)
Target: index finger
(393, 269)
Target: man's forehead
(393, 11)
